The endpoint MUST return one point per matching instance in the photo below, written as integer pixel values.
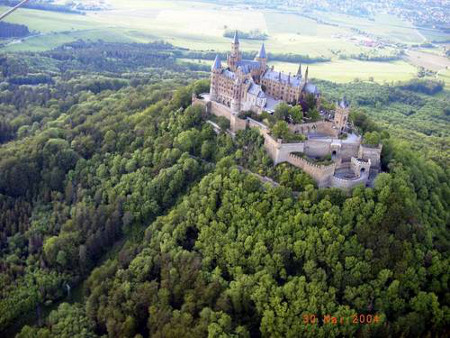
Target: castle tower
(235, 55)
(216, 69)
(299, 71)
(261, 57)
(341, 115)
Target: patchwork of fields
(200, 26)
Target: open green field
(383, 25)
(200, 26)
(194, 25)
(46, 21)
(349, 70)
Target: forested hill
(108, 177)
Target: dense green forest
(10, 30)
(110, 179)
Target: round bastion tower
(216, 69)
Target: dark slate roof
(255, 89)
(281, 77)
(262, 52)
(228, 73)
(311, 88)
(217, 64)
(343, 103)
(248, 65)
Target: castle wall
(321, 174)
(279, 152)
(360, 168)
(237, 124)
(345, 184)
(316, 148)
(220, 110)
(372, 154)
(349, 150)
(255, 124)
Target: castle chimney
(289, 77)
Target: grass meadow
(200, 26)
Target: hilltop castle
(250, 85)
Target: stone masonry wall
(372, 154)
(279, 152)
(346, 184)
(322, 174)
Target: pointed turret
(262, 52)
(236, 37)
(235, 55)
(299, 71)
(306, 74)
(217, 64)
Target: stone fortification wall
(220, 110)
(371, 153)
(360, 167)
(255, 124)
(317, 148)
(346, 184)
(279, 152)
(349, 150)
(321, 174)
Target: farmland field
(200, 26)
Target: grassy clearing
(427, 60)
(52, 40)
(46, 21)
(342, 71)
(200, 26)
(383, 25)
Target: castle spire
(306, 74)
(217, 64)
(299, 72)
(262, 52)
(236, 38)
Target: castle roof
(262, 52)
(236, 38)
(311, 88)
(248, 65)
(256, 90)
(228, 73)
(293, 81)
(343, 103)
(217, 64)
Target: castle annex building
(250, 85)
